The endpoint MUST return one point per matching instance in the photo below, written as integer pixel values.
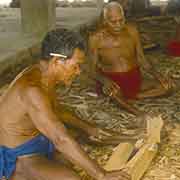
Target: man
(116, 53)
(29, 127)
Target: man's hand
(110, 88)
(167, 82)
(117, 175)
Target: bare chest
(14, 119)
(116, 47)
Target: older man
(116, 54)
(29, 126)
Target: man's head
(113, 17)
(65, 51)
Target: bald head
(110, 7)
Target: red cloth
(129, 82)
(174, 48)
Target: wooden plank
(119, 157)
(154, 126)
(141, 161)
(143, 158)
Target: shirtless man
(116, 53)
(29, 127)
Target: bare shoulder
(33, 91)
(30, 82)
(133, 31)
(34, 95)
(132, 28)
(24, 79)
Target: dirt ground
(82, 99)
(107, 114)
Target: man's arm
(40, 110)
(94, 58)
(70, 118)
(146, 65)
(95, 134)
(93, 54)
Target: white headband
(58, 55)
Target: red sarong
(129, 82)
(174, 48)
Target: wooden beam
(141, 161)
(38, 16)
(119, 157)
(154, 126)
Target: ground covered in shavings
(104, 112)
(107, 114)
(82, 99)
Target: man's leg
(40, 168)
(151, 88)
